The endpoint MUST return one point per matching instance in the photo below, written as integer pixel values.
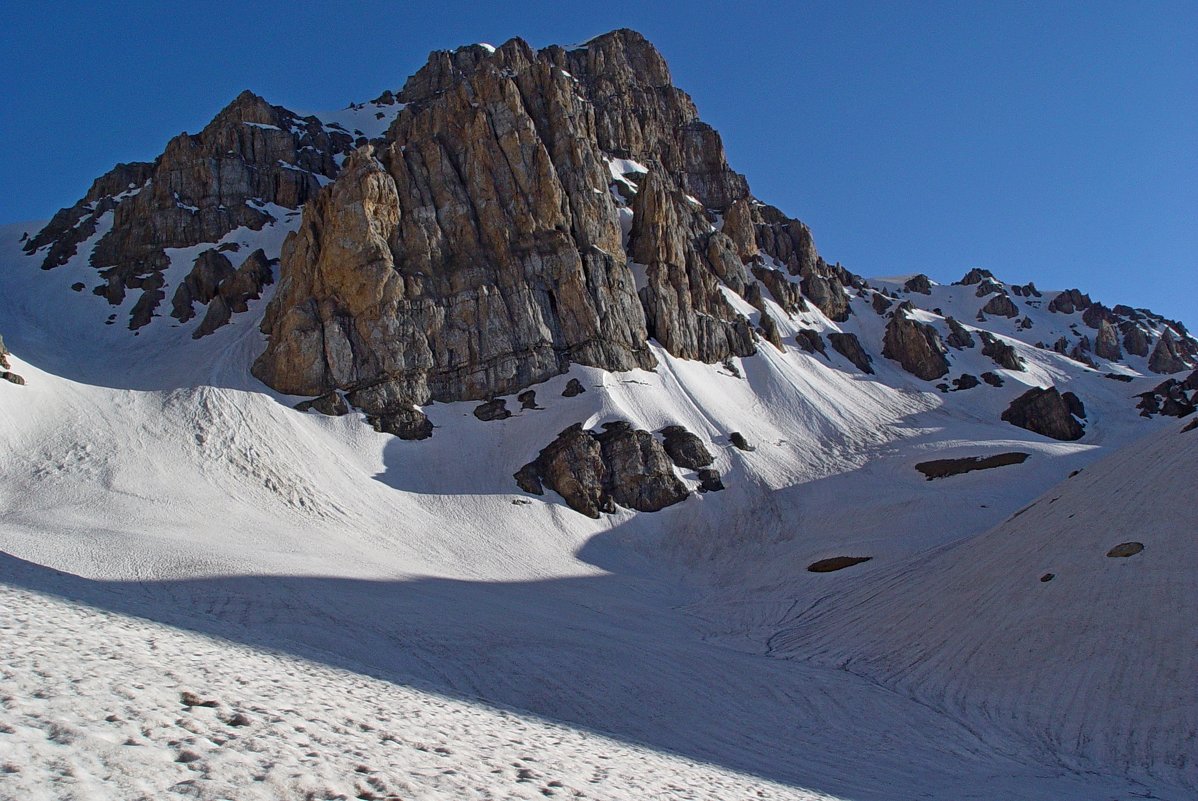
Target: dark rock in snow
(918, 283)
(573, 387)
(710, 481)
(943, 468)
(958, 336)
(738, 441)
(1069, 301)
(528, 399)
(593, 472)
(331, 404)
(848, 346)
(1003, 354)
(880, 303)
(686, 449)
(1125, 549)
(492, 410)
(809, 341)
(1045, 412)
(1000, 306)
(976, 276)
(834, 563)
(965, 381)
(914, 345)
(993, 379)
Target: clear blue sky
(1055, 142)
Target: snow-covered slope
(1034, 627)
(173, 487)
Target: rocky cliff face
(528, 210)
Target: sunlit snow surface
(361, 586)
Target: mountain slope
(557, 222)
(1035, 627)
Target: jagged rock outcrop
(809, 341)
(490, 254)
(881, 304)
(595, 471)
(202, 187)
(914, 345)
(987, 287)
(1003, 354)
(1171, 398)
(918, 283)
(684, 308)
(331, 404)
(1047, 412)
(958, 336)
(1106, 343)
(1001, 306)
(1167, 356)
(1069, 301)
(785, 292)
(848, 346)
(975, 276)
(1135, 339)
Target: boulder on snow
(573, 387)
(596, 471)
(1046, 412)
(809, 341)
(685, 449)
(492, 410)
(739, 442)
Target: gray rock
(492, 410)
(573, 387)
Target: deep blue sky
(1055, 142)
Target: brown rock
(848, 346)
(914, 345)
(1046, 412)
(1003, 354)
(686, 449)
(1000, 306)
(919, 283)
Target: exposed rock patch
(914, 345)
(686, 449)
(834, 563)
(848, 346)
(943, 468)
(918, 283)
(1047, 412)
(1002, 353)
(1000, 306)
(1125, 549)
(595, 471)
